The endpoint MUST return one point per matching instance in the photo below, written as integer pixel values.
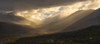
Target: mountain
(90, 35)
(91, 19)
(11, 30)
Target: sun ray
(39, 15)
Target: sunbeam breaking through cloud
(39, 15)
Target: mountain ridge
(90, 35)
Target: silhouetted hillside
(9, 30)
(90, 35)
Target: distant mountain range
(90, 35)
(83, 35)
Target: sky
(42, 10)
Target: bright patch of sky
(39, 15)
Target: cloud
(63, 8)
(34, 4)
(10, 17)
(45, 7)
(30, 4)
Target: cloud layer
(30, 4)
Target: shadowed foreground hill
(90, 35)
(9, 30)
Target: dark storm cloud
(10, 17)
(29, 4)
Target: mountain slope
(90, 35)
(58, 26)
(8, 30)
(92, 19)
